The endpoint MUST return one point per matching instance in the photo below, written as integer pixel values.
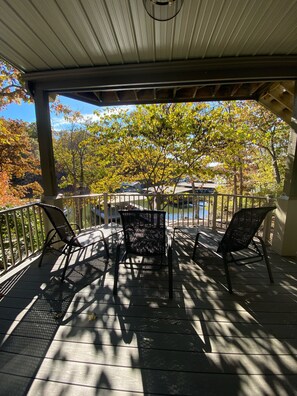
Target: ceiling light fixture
(162, 10)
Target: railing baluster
(214, 213)
(36, 231)
(9, 239)
(193, 209)
(30, 230)
(17, 226)
(3, 254)
(24, 233)
(17, 236)
(41, 230)
(105, 203)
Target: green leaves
(12, 87)
(158, 144)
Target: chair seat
(98, 234)
(144, 235)
(239, 238)
(88, 238)
(146, 242)
(73, 241)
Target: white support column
(285, 233)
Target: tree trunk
(276, 169)
(81, 181)
(234, 180)
(74, 174)
(193, 186)
(240, 180)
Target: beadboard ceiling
(53, 39)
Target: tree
(18, 156)
(154, 144)
(159, 144)
(108, 165)
(12, 86)
(175, 139)
(71, 153)
(16, 160)
(230, 150)
(252, 145)
(271, 135)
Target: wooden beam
(215, 90)
(284, 97)
(170, 74)
(289, 86)
(235, 88)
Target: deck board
(76, 338)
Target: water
(187, 212)
(174, 213)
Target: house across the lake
(184, 187)
(208, 187)
(131, 187)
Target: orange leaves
(12, 87)
(7, 193)
(17, 161)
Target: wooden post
(285, 233)
(105, 208)
(47, 162)
(214, 213)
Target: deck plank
(76, 338)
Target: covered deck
(76, 338)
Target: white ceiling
(41, 36)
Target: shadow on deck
(76, 338)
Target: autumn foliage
(17, 161)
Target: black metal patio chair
(240, 237)
(64, 232)
(145, 236)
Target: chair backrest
(59, 221)
(144, 231)
(242, 228)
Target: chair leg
(66, 263)
(225, 260)
(106, 249)
(116, 271)
(195, 245)
(266, 259)
(170, 274)
(47, 243)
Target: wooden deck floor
(77, 339)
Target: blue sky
(26, 112)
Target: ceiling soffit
(268, 80)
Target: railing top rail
(18, 207)
(154, 194)
(160, 193)
(243, 196)
(136, 194)
(82, 196)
